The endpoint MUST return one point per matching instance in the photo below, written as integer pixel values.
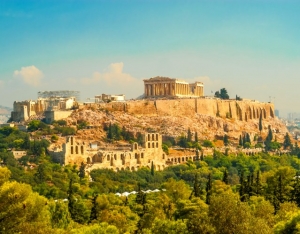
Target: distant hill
(4, 113)
(4, 110)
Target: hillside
(171, 122)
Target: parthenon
(169, 87)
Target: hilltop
(174, 117)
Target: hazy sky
(252, 48)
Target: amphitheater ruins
(133, 157)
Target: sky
(249, 47)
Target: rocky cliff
(210, 118)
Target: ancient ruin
(76, 151)
(60, 94)
(168, 87)
(24, 110)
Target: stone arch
(149, 137)
(190, 158)
(136, 155)
(81, 149)
(156, 144)
(132, 168)
(135, 146)
(172, 159)
(76, 149)
(122, 168)
(149, 145)
(142, 155)
(117, 169)
(115, 157)
(158, 167)
(152, 137)
(111, 161)
(156, 136)
(175, 159)
(179, 160)
(88, 160)
(186, 159)
(153, 145)
(127, 168)
(108, 157)
(246, 117)
(72, 151)
(72, 140)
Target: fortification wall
(176, 107)
(56, 115)
(239, 110)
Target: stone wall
(56, 115)
(238, 110)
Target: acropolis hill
(170, 107)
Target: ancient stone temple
(169, 87)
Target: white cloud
(114, 75)
(30, 75)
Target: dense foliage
(217, 194)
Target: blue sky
(249, 47)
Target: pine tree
(260, 127)
(248, 138)
(225, 140)
(242, 189)
(71, 199)
(225, 177)
(82, 171)
(287, 141)
(94, 214)
(258, 185)
(197, 188)
(296, 190)
(241, 141)
(196, 137)
(110, 132)
(189, 135)
(152, 169)
(208, 189)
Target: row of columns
(162, 89)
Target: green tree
(82, 171)
(196, 137)
(241, 141)
(60, 216)
(222, 94)
(189, 135)
(260, 126)
(152, 169)
(208, 189)
(287, 141)
(225, 140)
(225, 177)
(19, 205)
(94, 210)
